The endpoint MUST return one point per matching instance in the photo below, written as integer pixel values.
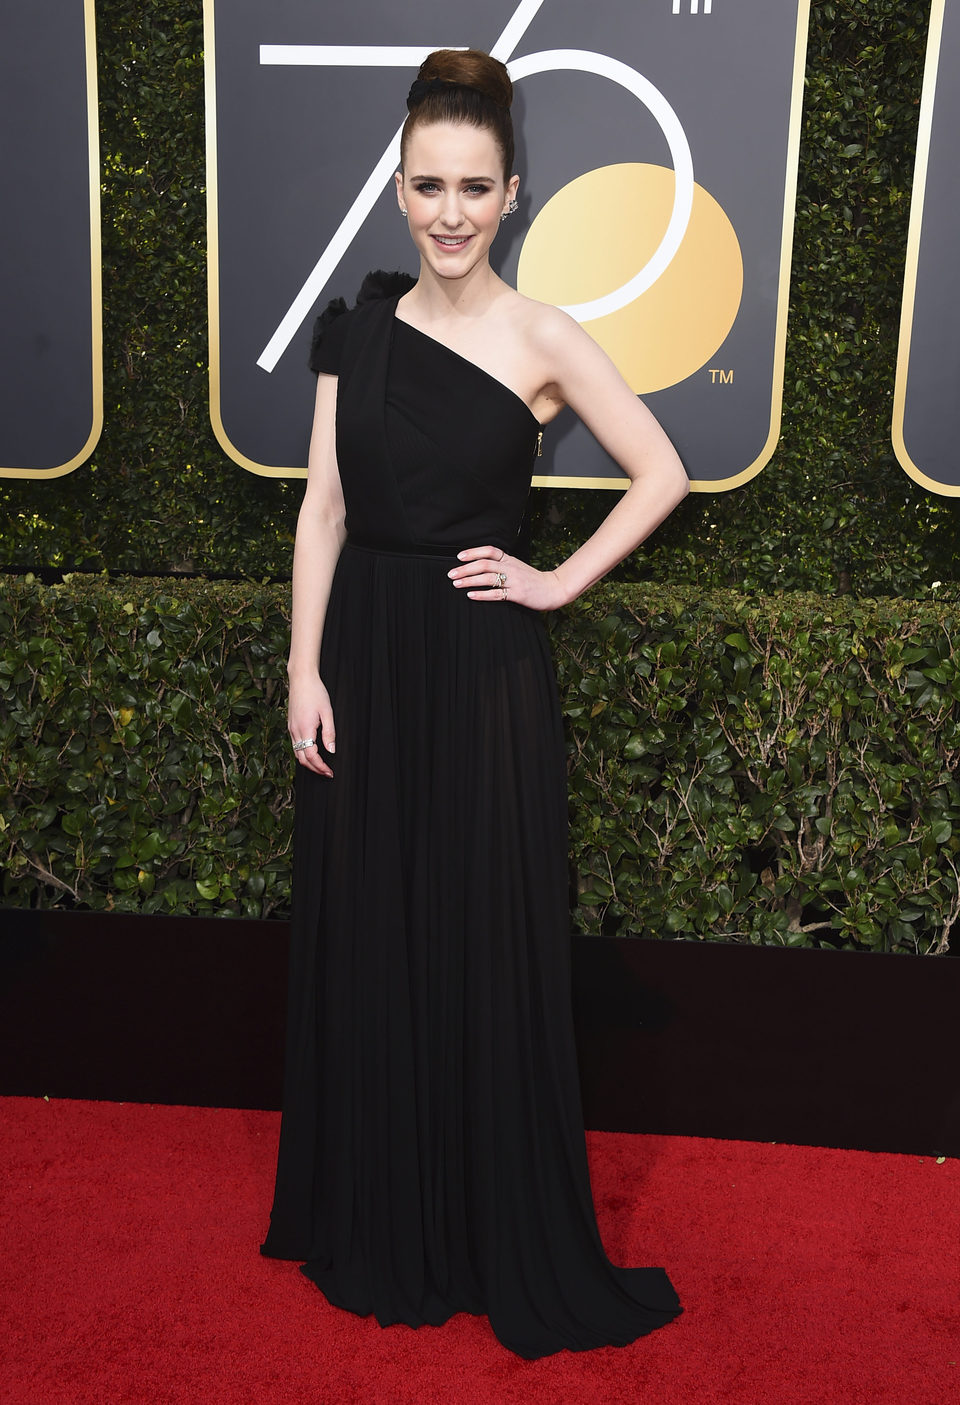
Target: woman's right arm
(320, 536)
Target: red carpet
(130, 1273)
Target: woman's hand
(490, 574)
(310, 718)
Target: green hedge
(832, 512)
(779, 771)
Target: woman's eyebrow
(464, 180)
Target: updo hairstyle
(462, 85)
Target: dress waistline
(428, 549)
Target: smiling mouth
(447, 242)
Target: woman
(432, 1153)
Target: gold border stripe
(914, 235)
(722, 485)
(96, 265)
(213, 258)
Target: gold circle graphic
(598, 231)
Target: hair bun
(462, 86)
(471, 68)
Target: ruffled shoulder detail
(335, 308)
(329, 330)
(380, 284)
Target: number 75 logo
(634, 218)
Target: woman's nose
(452, 215)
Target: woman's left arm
(587, 380)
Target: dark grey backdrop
(930, 381)
(294, 146)
(50, 397)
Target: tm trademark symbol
(720, 377)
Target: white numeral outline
(546, 61)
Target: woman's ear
(398, 178)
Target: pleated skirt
(432, 1155)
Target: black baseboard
(142, 1009)
(820, 1048)
(823, 1048)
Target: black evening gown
(432, 1155)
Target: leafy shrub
(772, 771)
(142, 745)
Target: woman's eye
(429, 187)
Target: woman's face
(453, 189)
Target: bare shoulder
(552, 339)
(542, 324)
(542, 351)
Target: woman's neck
(435, 299)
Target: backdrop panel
(657, 155)
(926, 407)
(51, 390)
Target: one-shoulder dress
(432, 1154)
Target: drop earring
(511, 209)
(403, 212)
